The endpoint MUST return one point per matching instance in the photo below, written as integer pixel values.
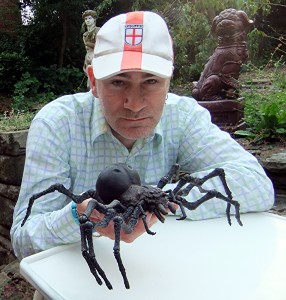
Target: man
(128, 116)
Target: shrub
(45, 84)
(265, 116)
(60, 81)
(12, 65)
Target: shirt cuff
(65, 226)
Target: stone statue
(219, 79)
(89, 36)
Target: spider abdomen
(115, 180)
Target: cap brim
(109, 65)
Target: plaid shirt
(69, 142)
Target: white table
(198, 260)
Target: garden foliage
(44, 58)
(265, 116)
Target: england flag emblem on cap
(133, 34)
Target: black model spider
(122, 199)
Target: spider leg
(86, 229)
(171, 208)
(167, 178)
(180, 184)
(87, 250)
(132, 215)
(210, 195)
(158, 214)
(172, 198)
(102, 208)
(198, 182)
(110, 213)
(61, 189)
(220, 172)
(143, 213)
(116, 249)
(128, 212)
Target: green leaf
(245, 133)
(281, 130)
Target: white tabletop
(198, 260)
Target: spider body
(121, 198)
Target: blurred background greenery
(42, 52)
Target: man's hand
(130, 237)
(108, 231)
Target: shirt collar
(157, 133)
(99, 125)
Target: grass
(12, 121)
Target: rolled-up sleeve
(51, 222)
(205, 147)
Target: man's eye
(151, 81)
(117, 82)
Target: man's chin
(136, 133)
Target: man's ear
(92, 80)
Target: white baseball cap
(136, 41)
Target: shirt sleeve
(51, 222)
(205, 147)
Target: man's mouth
(135, 119)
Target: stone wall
(12, 159)
(275, 168)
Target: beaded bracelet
(74, 213)
(75, 216)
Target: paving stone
(276, 162)
(275, 168)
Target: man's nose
(134, 99)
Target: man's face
(132, 103)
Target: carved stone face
(89, 20)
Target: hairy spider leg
(218, 172)
(171, 207)
(87, 250)
(172, 198)
(210, 195)
(167, 178)
(181, 183)
(158, 212)
(118, 221)
(61, 189)
(110, 212)
(198, 182)
(221, 174)
(132, 214)
(130, 217)
(143, 214)
(87, 226)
